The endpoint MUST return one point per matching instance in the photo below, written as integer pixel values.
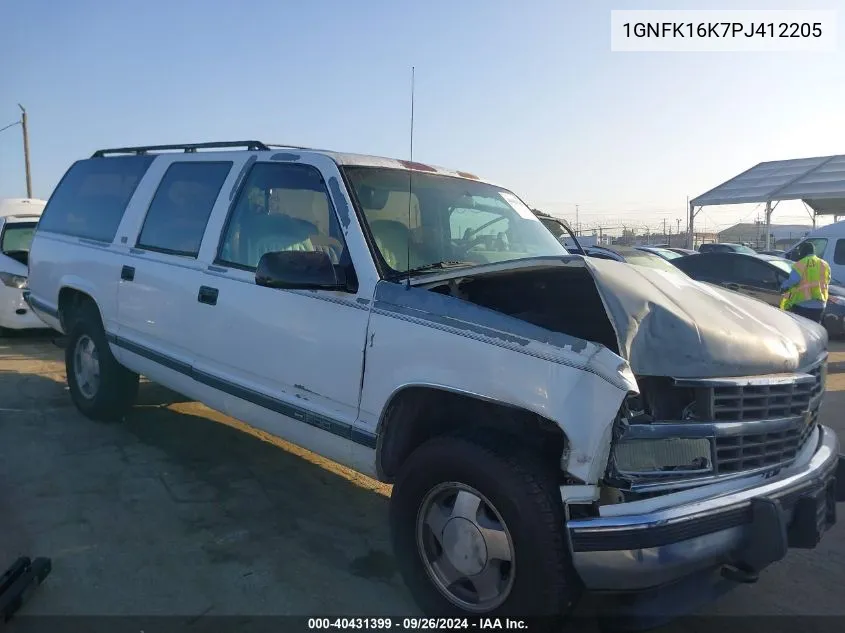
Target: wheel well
(70, 299)
(417, 414)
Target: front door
(289, 361)
(760, 280)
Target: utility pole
(577, 222)
(664, 227)
(26, 151)
(678, 220)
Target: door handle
(732, 286)
(207, 295)
(127, 273)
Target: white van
(829, 242)
(18, 219)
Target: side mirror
(299, 270)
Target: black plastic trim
(37, 304)
(188, 148)
(336, 427)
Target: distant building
(783, 235)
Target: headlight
(659, 456)
(13, 281)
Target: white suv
(552, 424)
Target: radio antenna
(410, 179)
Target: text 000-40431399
(723, 31)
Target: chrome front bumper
(749, 527)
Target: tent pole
(768, 225)
(691, 231)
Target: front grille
(735, 403)
(750, 451)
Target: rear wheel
(478, 529)
(101, 388)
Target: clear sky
(525, 93)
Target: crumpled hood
(671, 325)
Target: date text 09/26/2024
(412, 624)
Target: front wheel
(478, 529)
(101, 388)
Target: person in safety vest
(806, 288)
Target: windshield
(784, 266)
(446, 220)
(17, 237)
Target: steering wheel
(329, 245)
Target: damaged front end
(728, 386)
(680, 433)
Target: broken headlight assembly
(664, 456)
(650, 449)
(13, 281)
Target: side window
(819, 244)
(696, 266)
(839, 252)
(756, 273)
(281, 207)
(720, 267)
(92, 196)
(177, 216)
(471, 224)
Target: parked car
(725, 247)
(632, 255)
(18, 217)
(774, 253)
(760, 277)
(754, 275)
(663, 253)
(833, 318)
(551, 423)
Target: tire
(538, 582)
(110, 396)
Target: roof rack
(188, 148)
(286, 146)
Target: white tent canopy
(818, 182)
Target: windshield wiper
(444, 265)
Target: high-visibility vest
(815, 279)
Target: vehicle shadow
(190, 501)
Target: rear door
(160, 272)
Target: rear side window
(839, 252)
(176, 220)
(92, 196)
